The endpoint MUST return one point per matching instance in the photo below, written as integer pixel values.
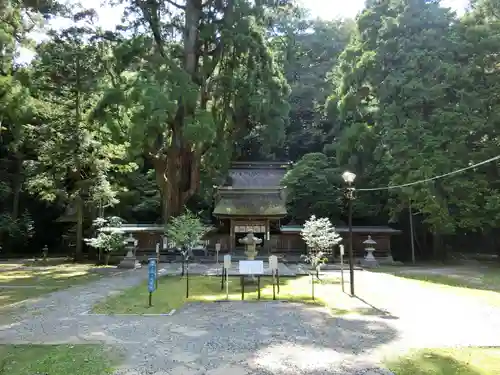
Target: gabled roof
(257, 174)
(253, 189)
(254, 203)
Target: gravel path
(245, 338)
(430, 316)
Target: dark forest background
(144, 120)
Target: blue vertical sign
(152, 275)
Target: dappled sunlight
(23, 284)
(487, 293)
(42, 276)
(65, 275)
(15, 275)
(288, 358)
(10, 265)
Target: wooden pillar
(231, 235)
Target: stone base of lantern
(369, 263)
(129, 262)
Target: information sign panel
(251, 267)
(151, 275)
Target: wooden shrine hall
(253, 199)
(250, 200)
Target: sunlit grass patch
(57, 359)
(452, 361)
(171, 294)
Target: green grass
(57, 359)
(481, 283)
(484, 280)
(41, 281)
(454, 361)
(26, 284)
(171, 294)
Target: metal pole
(150, 299)
(187, 281)
(274, 285)
(351, 253)
(258, 287)
(312, 286)
(342, 268)
(411, 233)
(242, 288)
(227, 284)
(278, 279)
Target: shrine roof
(343, 229)
(257, 202)
(257, 174)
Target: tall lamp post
(349, 178)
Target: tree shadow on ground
(267, 337)
(372, 310)
(283, 322)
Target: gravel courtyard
(245, 338)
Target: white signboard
(273, 262)
(341, 249)
(250, 228)
(227, 261)
(251, 267)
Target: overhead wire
(390, 187)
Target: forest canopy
(143, 120)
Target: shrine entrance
(242, 228)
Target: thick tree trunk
(79, 229)
(178, 178)
(160, 167)
(439, 250)
(16, 187)
(182, 179)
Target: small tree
(320, 237)
(186, 231)
(107, 242)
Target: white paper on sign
(251, 267)
(273, 262)
(227, 261)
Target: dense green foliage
(143, 120)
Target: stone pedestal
(130, 261)
(369, 260)
(250, 242)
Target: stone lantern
(369, 260)
(250, 242)
(45, 252)
(130, 261)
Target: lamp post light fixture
(349, 178)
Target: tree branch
(178, 6)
